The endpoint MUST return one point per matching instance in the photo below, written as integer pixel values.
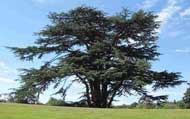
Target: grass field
(16, 111)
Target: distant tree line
(60, 102)
(145, 102)
(149, 103)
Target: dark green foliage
(60, 102)
(175, 105)
(133, 105)
(149, 104)
(182, 105)
(55, 102)
(186, 97)
(110, 55)
(26, 95)
(149, 101)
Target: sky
(20, 19)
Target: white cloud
(168, 12)
(40, 1)
(6, 80)
(3, 65)
(163, 92)
(186, 12)
(186, 50)
(7, 73)
(149, 3)
(7, 70)
(175, 33)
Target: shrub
(55, 102)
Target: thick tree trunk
(104, 95)
(99, 95)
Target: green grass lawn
(17, 111)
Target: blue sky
(19, 19)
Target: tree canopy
(109, 55)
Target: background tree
(149, 101)
(110, 55)
(56, 102)
(7, 97)
(186, 97)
